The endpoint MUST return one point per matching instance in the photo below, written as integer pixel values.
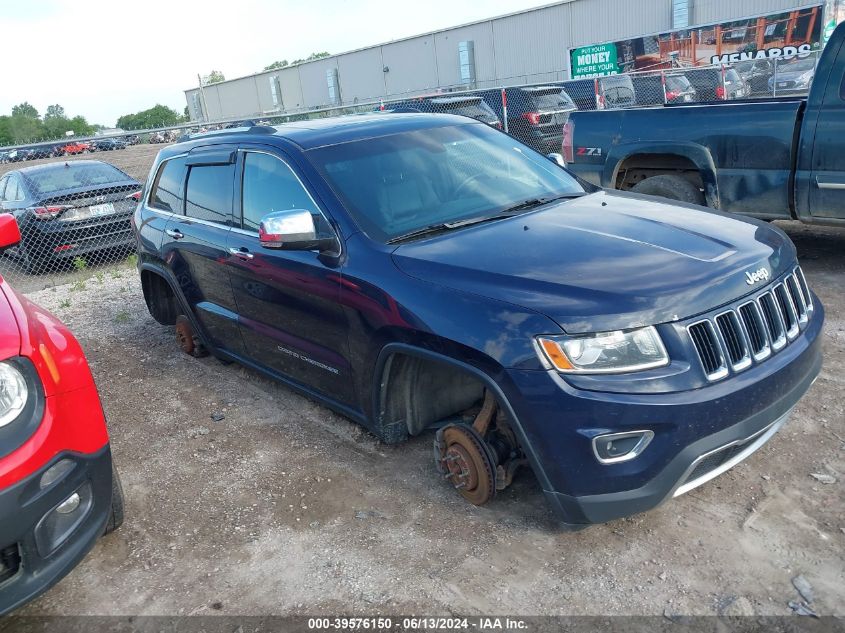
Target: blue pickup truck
(774, 159)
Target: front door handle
(241, 253)
(824, 182)
(176, 234)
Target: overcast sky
(101, 59)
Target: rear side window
(208, 195)
(167, 188)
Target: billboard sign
(779, 35)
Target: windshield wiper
(533, 203)
(509, 212)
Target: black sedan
(68, 210)
(107, 144)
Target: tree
(54, 112)
(311, 58)
(25, 109)
(5, 133)
(276, 65)
(214, 77)
(157, 116)
(25, 129)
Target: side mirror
(293, 230)
(557, 158)
(10, 233)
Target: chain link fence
(73, 199)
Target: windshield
(74, 176)
(397, 184)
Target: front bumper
(32, 558)
(697, 434)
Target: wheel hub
(467, 464)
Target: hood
(605, 261)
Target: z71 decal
(588, 151)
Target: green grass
(80, 263)
(78, 286)
(132, 260)
(122, 317)
(64, 303)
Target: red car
(59, 491)
(75, 147)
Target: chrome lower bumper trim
(754, 442)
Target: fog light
(69, 505)
(56, 527)
(56, 472)
(620, 447)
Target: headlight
(605, 352)
(13, 393)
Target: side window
(167, 188)
(270, 185)
(3, 182)
(208, 195)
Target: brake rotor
(186, 339)
(468, 465)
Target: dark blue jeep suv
(426, 272)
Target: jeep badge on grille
(752, 278)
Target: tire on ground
(116, 510)
(671, 187)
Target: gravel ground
(283, 507)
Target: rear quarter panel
(750, 146)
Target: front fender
(698, 154)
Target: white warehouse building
(531, 46)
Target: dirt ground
(282, 507)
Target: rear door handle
(241, 253)
(824, 182)
(176, 234)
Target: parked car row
(64, 148)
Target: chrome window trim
(755, 441)
(745, 361)
(764, 329)
(639, 447)
(722, 371)
(148, 202)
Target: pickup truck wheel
(672, 187)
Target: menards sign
(797, 32)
